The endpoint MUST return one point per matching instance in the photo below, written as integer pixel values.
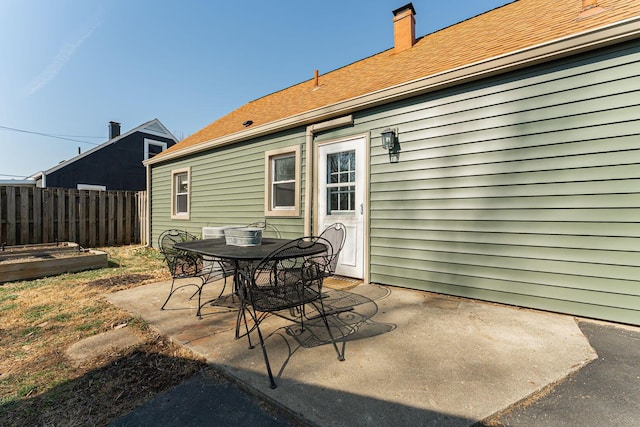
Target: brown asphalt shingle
(515, 26)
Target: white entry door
(341, 187)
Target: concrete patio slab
(411, 357)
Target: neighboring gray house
(515, 176)
(114, 165)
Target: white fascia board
(581, 42)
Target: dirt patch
(120, 282)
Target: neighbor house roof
(153, 127)
(514, 27)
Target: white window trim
(268, 174)
(148, 142)
(181, 215)
(92, 187)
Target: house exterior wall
(523, 189)
(227, 188)
(117, 166)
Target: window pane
(154, 149)
(351, 204)
(284, 168)
(181, 203)
(341, 167)
(341, 199)
(284, 195)
(182, 183)
(333, 200)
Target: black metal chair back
(268, 230)
(286, 280)
(181, 264)
(185, 265)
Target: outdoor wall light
(390, 143)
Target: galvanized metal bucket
(244, 236)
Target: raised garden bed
(49, 259)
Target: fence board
(24, 214)
(11, 216)
(37, 216)
(128, 215)
(83, 214)
(92, 218)
(102, 218)
(120, 212)
(112, 218)
(73, 211)
(3, 238)
(60, 218)
(49, 215)
(30, 215)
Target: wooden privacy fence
(90, 218)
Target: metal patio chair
(336, 235)
(188, 265)
(284, 283)
(268, 230)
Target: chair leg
(170, 293)
(264, 349)
(205, 280)
(326, 323)
(242, 314)
(199, 292)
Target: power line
(64, 137)
(13, 176)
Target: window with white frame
(180, 183)
(282, 182)
(151, 148)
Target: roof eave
(589, 40)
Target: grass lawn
(41, 318)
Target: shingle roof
(515, 26)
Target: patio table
(243, 256)
(217, 248)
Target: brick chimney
(404, 28)
(588, 4)
(114, 130)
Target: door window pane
(341, 176)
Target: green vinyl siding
(227, 187)
(522, 189)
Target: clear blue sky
(70, 66)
